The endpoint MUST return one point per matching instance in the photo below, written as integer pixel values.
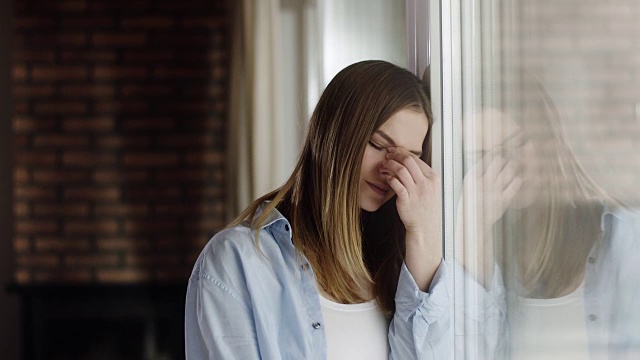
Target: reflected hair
(348, 248)
(563, 224)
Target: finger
(398, 188)
(413, 162)
(493, 169)
(506, 176)
(401, 172)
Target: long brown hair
(348, 249)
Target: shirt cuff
(432, 305)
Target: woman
(554, 277)
(344, 260)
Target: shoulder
(226, 250)
(622, 227)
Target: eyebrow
(393, 143)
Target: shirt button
(592, 317)
(304, 267)
(286, 227)
(591, 260)
(316, 325)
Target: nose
(382, 169)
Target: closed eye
(373, 145)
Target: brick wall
(119, 132)
(587, 55)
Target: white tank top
(355, 331)
(550, 328)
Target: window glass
(547, 238)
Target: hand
(417, 188)
(488, 190)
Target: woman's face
(407, 129)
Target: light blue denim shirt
(611, 299)
(240, 305)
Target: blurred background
(132, 131)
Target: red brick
(45, 244)
(59, 72)
(32, 22)
(59, 176)
(63, 276)
(32, 91)
(204, 22)
(150, 22)
(60, 140)
(136, 260)
(187, 6)
(36, 226)
(123, 276)
(91, 227)
(92, 193)
(119, 40)
(21, 244)
(150, 159)
(22, 276)
(19, 72)
(207, 192)
(101, 6)
(72, 6)
(28, 124)
(205, 225)
(38, 260)
(184, 40)
(88, 90)
(148, 56)
(118, 72)
(164, 72)
(60, 107)
(121, 210)
(33, 55)
(58, 39)
(148, 124)
(91, 124)
(149, 227)
(92, 260)
(20, 175)
(154, 193)
(182, 176)
(67, 209)
(86, 159)
(121, 106)
(21, 209)
(147, 90)
(21, 107)
(179, 209)
(118, 176)
(20, 142)
(122, 244)
(124, 141)
(88, 56)
(208, 158)
(187, 140)
(187, 107)
(24, 192)
(85, 22)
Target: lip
(378, 189)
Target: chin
(370, 207)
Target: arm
(421, 325)
(218, 324)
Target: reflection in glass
(548, 235)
